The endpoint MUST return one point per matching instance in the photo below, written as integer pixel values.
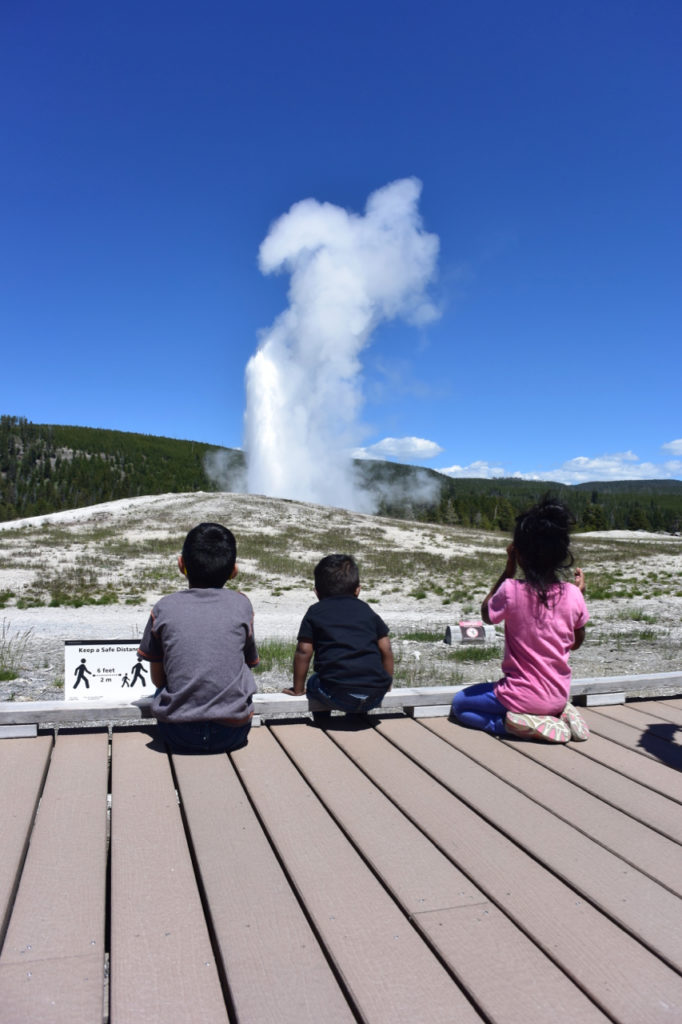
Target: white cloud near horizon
(581, 469)
(400, 447)
(479, 469)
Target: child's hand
(579, 580)
(290, 692)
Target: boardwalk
(409, 872)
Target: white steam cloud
(303, 386)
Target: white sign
(108, 670)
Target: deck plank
(646, 850)
(626, 979)
(617, 724)
(275, 969)
(52, 961)
(630, 897)
(23, 764)
(666, 711)
(389, 972)
(638, 717)
(486, 951)
(162, 964)
(644, 805)
(645, 771)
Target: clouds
(624, 465)
(583, 469)
(479, 469)
(403, 448)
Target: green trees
(46, 468)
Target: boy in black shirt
(353, 656)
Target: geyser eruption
(303, 385)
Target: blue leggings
(478, 708)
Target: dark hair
(542, 544)
(336, 575)
(209, 554)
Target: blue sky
(147, 148)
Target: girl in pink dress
(544, 620)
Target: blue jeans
(343, 700)
(478, 708)
(203, 737)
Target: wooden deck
(405, 872)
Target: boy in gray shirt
(201, 647)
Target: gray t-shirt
(204, 637)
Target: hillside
(46, 468)
(94, 573)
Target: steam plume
(303, 385)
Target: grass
(635, 615)
(482, 652)
(12, 650)
(275, 655)
(423, 635)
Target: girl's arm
(579, 634)
(578, 637)
(508, 574)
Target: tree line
(46, 468)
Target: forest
(46, 468)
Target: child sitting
(353, 656)
(200, 644)
(544, 620)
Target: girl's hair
(542, 544)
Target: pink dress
(538, 639)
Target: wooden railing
(423, 701)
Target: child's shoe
(575, 722)
(537, 727)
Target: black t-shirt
(344, 632)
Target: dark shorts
(203, 737)
(343, 700)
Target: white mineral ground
(129, 548)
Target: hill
(47, 468)
(94, 573)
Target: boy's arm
(157, 672)
(386, 652)
(508, 574)
(302, 657)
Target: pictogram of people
(138, 672)
(126, 680)
(80, 672)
